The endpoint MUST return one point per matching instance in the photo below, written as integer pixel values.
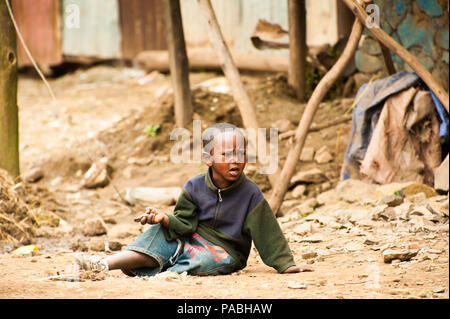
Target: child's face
(227, 158)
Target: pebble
(296, 285)
(309, 255)
(403, 255)
(391, 200)
(438, 289)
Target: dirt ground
(103, 111)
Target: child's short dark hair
(210, 132)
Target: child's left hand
(295, 269)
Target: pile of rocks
(366, 209)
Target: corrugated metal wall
(142, 26)
(39, 23)
(98, 32)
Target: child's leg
(129, 259)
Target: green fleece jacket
(230, 218)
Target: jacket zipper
(216, 213)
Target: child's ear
(207, 158)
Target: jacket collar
(232, 187)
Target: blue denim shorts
(196, 255)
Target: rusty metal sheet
(39, 23)
(91, 29)
(142, 26)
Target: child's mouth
(234, 171)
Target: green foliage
(151, 130)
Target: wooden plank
(142, 26)
(39, 22)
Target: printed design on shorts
(192, 250)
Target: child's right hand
(153, 216)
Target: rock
(370, 241)
(151, 195)
(303, 229)
(328, 197)
(441, 176)
(438, 289)
(309, 255)
(97, 244)
(33, 175)
(353, 247)
(403, 255)
(368, 63)
(98, 174)
(353, 190)
(295, 285)
(307, 154)
(425, 212)
(307, 206)
(314, 176)
(391, 200)
(94, 227)
(421, 224)
(298, 191)
(284, 125)
(123, 231)
(322, 219)
(316, 238)
(114, 245)
(323, 155)
(417, 198)
(416, 188)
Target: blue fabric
(367, 111)
(196, 256)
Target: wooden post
(303, 127)
(229, 68)
(9, 121)
(178, 62)
(297, 47)
(231, 72)
(396, 48)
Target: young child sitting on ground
(215, 219)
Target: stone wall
(420, 26)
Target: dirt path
(95, 101)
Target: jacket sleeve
(268, 238)
(184, 220)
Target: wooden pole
(396, 48)
(178, 62)
(9, 121)
(311, 107)
(229, 68)
(297, 47)
(231, 72)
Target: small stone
(284, 125)
(94, 227)
(370, 241)
(298, 191)
(33, 175)
(403, 255)
(314, 176)
(438, 289)
(309, 255)
(353, 190)
(316, 238)
(97, 244)
(114, 245)
(441, 176)
(307, 154)
(303, 229)
(323, 155)
(391, 200)
(296, 285)
(98, 174)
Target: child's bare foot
(295, 269)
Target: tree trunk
(178, 62)
(9, 121)
(297, 47)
